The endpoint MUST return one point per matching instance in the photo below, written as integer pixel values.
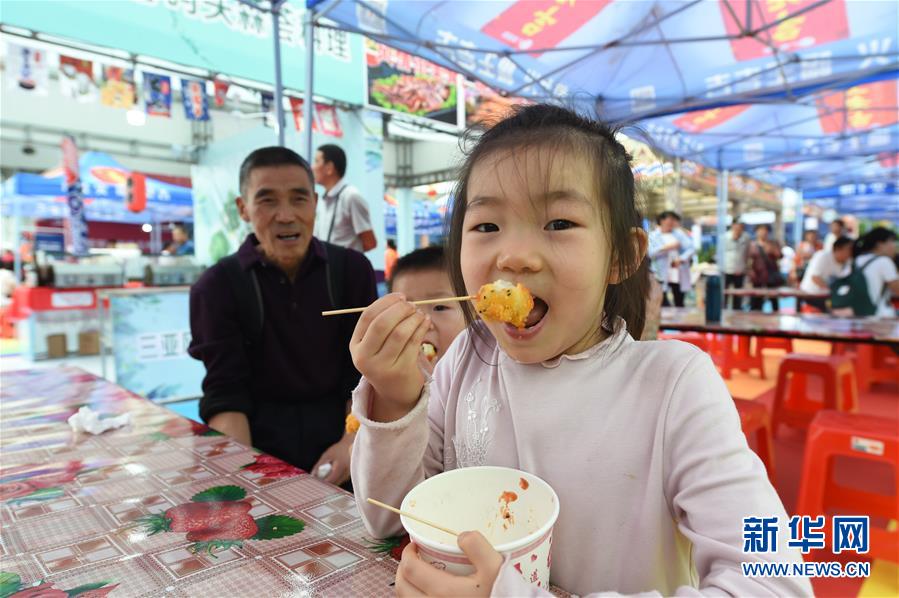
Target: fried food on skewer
(505, 302)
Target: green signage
(223, 36)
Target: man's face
(324, 171)
(836, 228)
(279, 203)
(761, 233)
(737, 230)
(179, 236)
(668, 224)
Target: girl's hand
(415, 577)
(386, 346)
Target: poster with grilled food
(403, 83)
(485, 107)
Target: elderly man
(278, 374)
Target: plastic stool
(862, 437)
(7, 325)
(694, 338)
(872, 363)
(774, 342)
(741, 359)
(755, 421)
(796, 409)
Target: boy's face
(447, 320)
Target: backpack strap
(335, 272)
(245, 286)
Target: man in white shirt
(342, 215)
(824, 266)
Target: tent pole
(308, 105)
(17, 240)
(721, 226)
(279, 84)
(797, 222)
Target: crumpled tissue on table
(88, 420)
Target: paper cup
(514, 510)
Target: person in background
(837, 229)
(805, 250)
(671, 252)
(736, 256)
(342, 215)
(824, 266)
(390, 257)
(278, 374)
(182, 244)
(764, 270)
(422, 275)
(787, 265)
(875, 252)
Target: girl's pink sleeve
(389, 459)
(713, 481)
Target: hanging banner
(328, 119)
(703, 120)
(117, 89)
(826, 23)
(530, 24)
(193, 96)
(26, 69)
(856, 109)
(325, 118)
(77, 221)
(408, 84)
(158, 95)
(296, 108)
(221, 92)
(267, 104)
(76, 79)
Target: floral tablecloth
(163, 507)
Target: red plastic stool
(832, 433)
(7, 325)
(740, 359)
(792, 404)
(755, 421)
(694, 338)
(872, 363)
(774, 342)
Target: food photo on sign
(408, 84)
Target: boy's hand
(386, 348)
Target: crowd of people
(822, 272)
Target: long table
(803, 326)
(82, 510)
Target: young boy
(422, 275)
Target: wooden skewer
(378, 503)
(356, 310)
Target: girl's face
(533, 217)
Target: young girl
(640, 440)
(875, 252)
